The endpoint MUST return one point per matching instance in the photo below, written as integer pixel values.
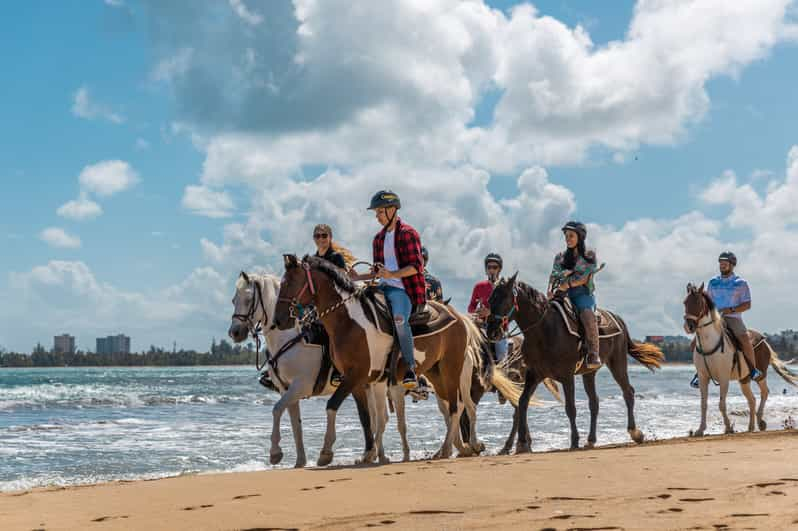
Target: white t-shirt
(391, 264)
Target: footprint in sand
(436, 511)
(568, 498)
(775, 493)
(671, 510)
(686, 488)
(570, 516)
(606, 528)
(245, 496)
(271, 529)
(747, 515)
(696, 499)
(788, 479)
(659, 497)
(340, 479)
(317, 487)
(195, 508)
(771, 484)
(104, 518)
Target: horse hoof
(466, 452)
(637, 435)
(384, 460)
(523, 449)
(300, 464)
(368, 458)
(276, 458)
(504, 451)
(590, 444)
(763, 425)
(325, 458)
(729, 431)
(405, 458)
(697, 433)
(480, 447)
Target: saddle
(607, 323)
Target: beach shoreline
(741, 480)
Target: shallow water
(83, 425)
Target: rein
(505, 319)
(255, 328)
(313, 316)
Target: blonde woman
(329, 250)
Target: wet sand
(718, 482)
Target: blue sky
(171, 128)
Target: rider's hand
(382, 272)
(483, 312)
(354, 275)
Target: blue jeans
(401, 308)
(500, 348)
(582, 298)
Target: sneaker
(756, 375)
(694, 381)
(410, 381)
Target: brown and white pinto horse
(360, 350)
(717, 358)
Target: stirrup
(694, 381)
(757, 375)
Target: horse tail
(781, 368)
(489, 373)
(650, 356)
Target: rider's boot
(588, 317)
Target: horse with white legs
(294, 365)
(717, 358)
(362, 343)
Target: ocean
(70, 426)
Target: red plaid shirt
(407, 245)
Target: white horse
(716, 358)
(298, 367)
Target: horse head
(503, 304)
(696, 306)
(252, 304)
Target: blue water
(84, 425)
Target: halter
(505, 319)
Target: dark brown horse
(360, 348)
(551, 350)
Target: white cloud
(107, 177)
(84, 107)
(80, 209)
(142, 144)
(171, 67)
(57, 237)
(69, 293)
(246, 15)
(207, 202)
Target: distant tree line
(221, 353)
(677, 349)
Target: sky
(151, 150)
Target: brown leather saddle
(608, 324)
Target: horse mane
(534, 295)
(709, 301)
(339, 277)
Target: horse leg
(531, 382)
(703, 384)
(291, 396)
(589, 381)
(763, 396)
(618, 366)
(570, 408)
(360, 394)
(724, 389)
(508, 444)
(296, 427)
(380, 394)
(398, 399)
(471, 416)
(749, 397)
(335, 401)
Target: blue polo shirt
(728, 292)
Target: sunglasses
(321, 236)
(493, 268)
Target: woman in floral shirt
(573, 273)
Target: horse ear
(701, 288)
(245, 276)
(689, 287)
(290, 261)
(513, 278)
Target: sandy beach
(718, 482)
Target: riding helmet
(576, 226)
(385, 198)
(495, 258)
(728, 256)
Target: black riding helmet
(385, 198)
(495, 258)
(728, 256)
(578, 227)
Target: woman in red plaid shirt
(399, 265)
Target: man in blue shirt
(732, 296)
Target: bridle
(248, 319)
(505, 319)
(297, 310)
(698, 326)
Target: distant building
(656, 340)
(65, 344)
(119, 344)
